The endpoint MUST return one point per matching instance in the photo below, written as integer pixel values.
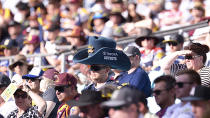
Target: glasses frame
(158, 92)
(190, 57)
(96, 68)
(172, 43)
(61, 89)
(181, 84)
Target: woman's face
(22, 100)
(21, 69)
(132, 10)
(148, 43)
(195, 63)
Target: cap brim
(113, 103)
(191, 98)
(167, 41)
(29, 76)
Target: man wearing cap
(174, 43)
(9, 106)
(65, 87)
(200, 100)
(50, 46)
(15, 32)
(101, 55)
(10, 48)
(33, 79)
(32, 46)
(136, 76)
(123, 104)
(89, 104)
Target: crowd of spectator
(152, 77)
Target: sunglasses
(121, 107)
(190, 57)
(158, 92)
(96, 68)
(23, 96)
(172, 43)
(18, 64)
(33, 80)
(181, 84)
(60, 88)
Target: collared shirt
(139, 79)
(161, 112)
(32, 112)
(179, 111)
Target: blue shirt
(139, 79)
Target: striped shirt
(204, 73)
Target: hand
(184, 52)
(26, 88)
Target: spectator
(133, 16)
(123, 104)
(32, 46)
(101, 55)
(10, 48)
(136, 76)
(185, 81)
(20, 66)
(199, 98)
(164, 93)
(65, 87)
(23, 98)
(174, 43)
(15, 32)
(150, 53)
(171, 18)
(49, 95)
(143, 108)
(9, 106)
(33, 79)
(89, 104)
(195, 58)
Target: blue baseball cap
(35, 73)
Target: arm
(50, 107)
(169, 60)
(37, 99)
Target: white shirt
(7, 108)
(179, 111)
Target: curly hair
(199, 49)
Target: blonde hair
(48, 83)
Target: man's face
(173, 46)
(99, 73)
(161, 94)
(199, 108)
(34, 84)
(63, 93)
(183, 85)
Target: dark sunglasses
(23, 96)
(181, 84)
(96, 68)
(172, 43)
(60, 88)
(157, 92)
(120, 107)
(33, 80)
(18, 64)
(190, 57)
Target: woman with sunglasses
(23, 100)
(195, 58)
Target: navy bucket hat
(103, 51)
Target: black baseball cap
(198, 93)
(175, 38)
(9, 44)
(4, 80)
(131, 51)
